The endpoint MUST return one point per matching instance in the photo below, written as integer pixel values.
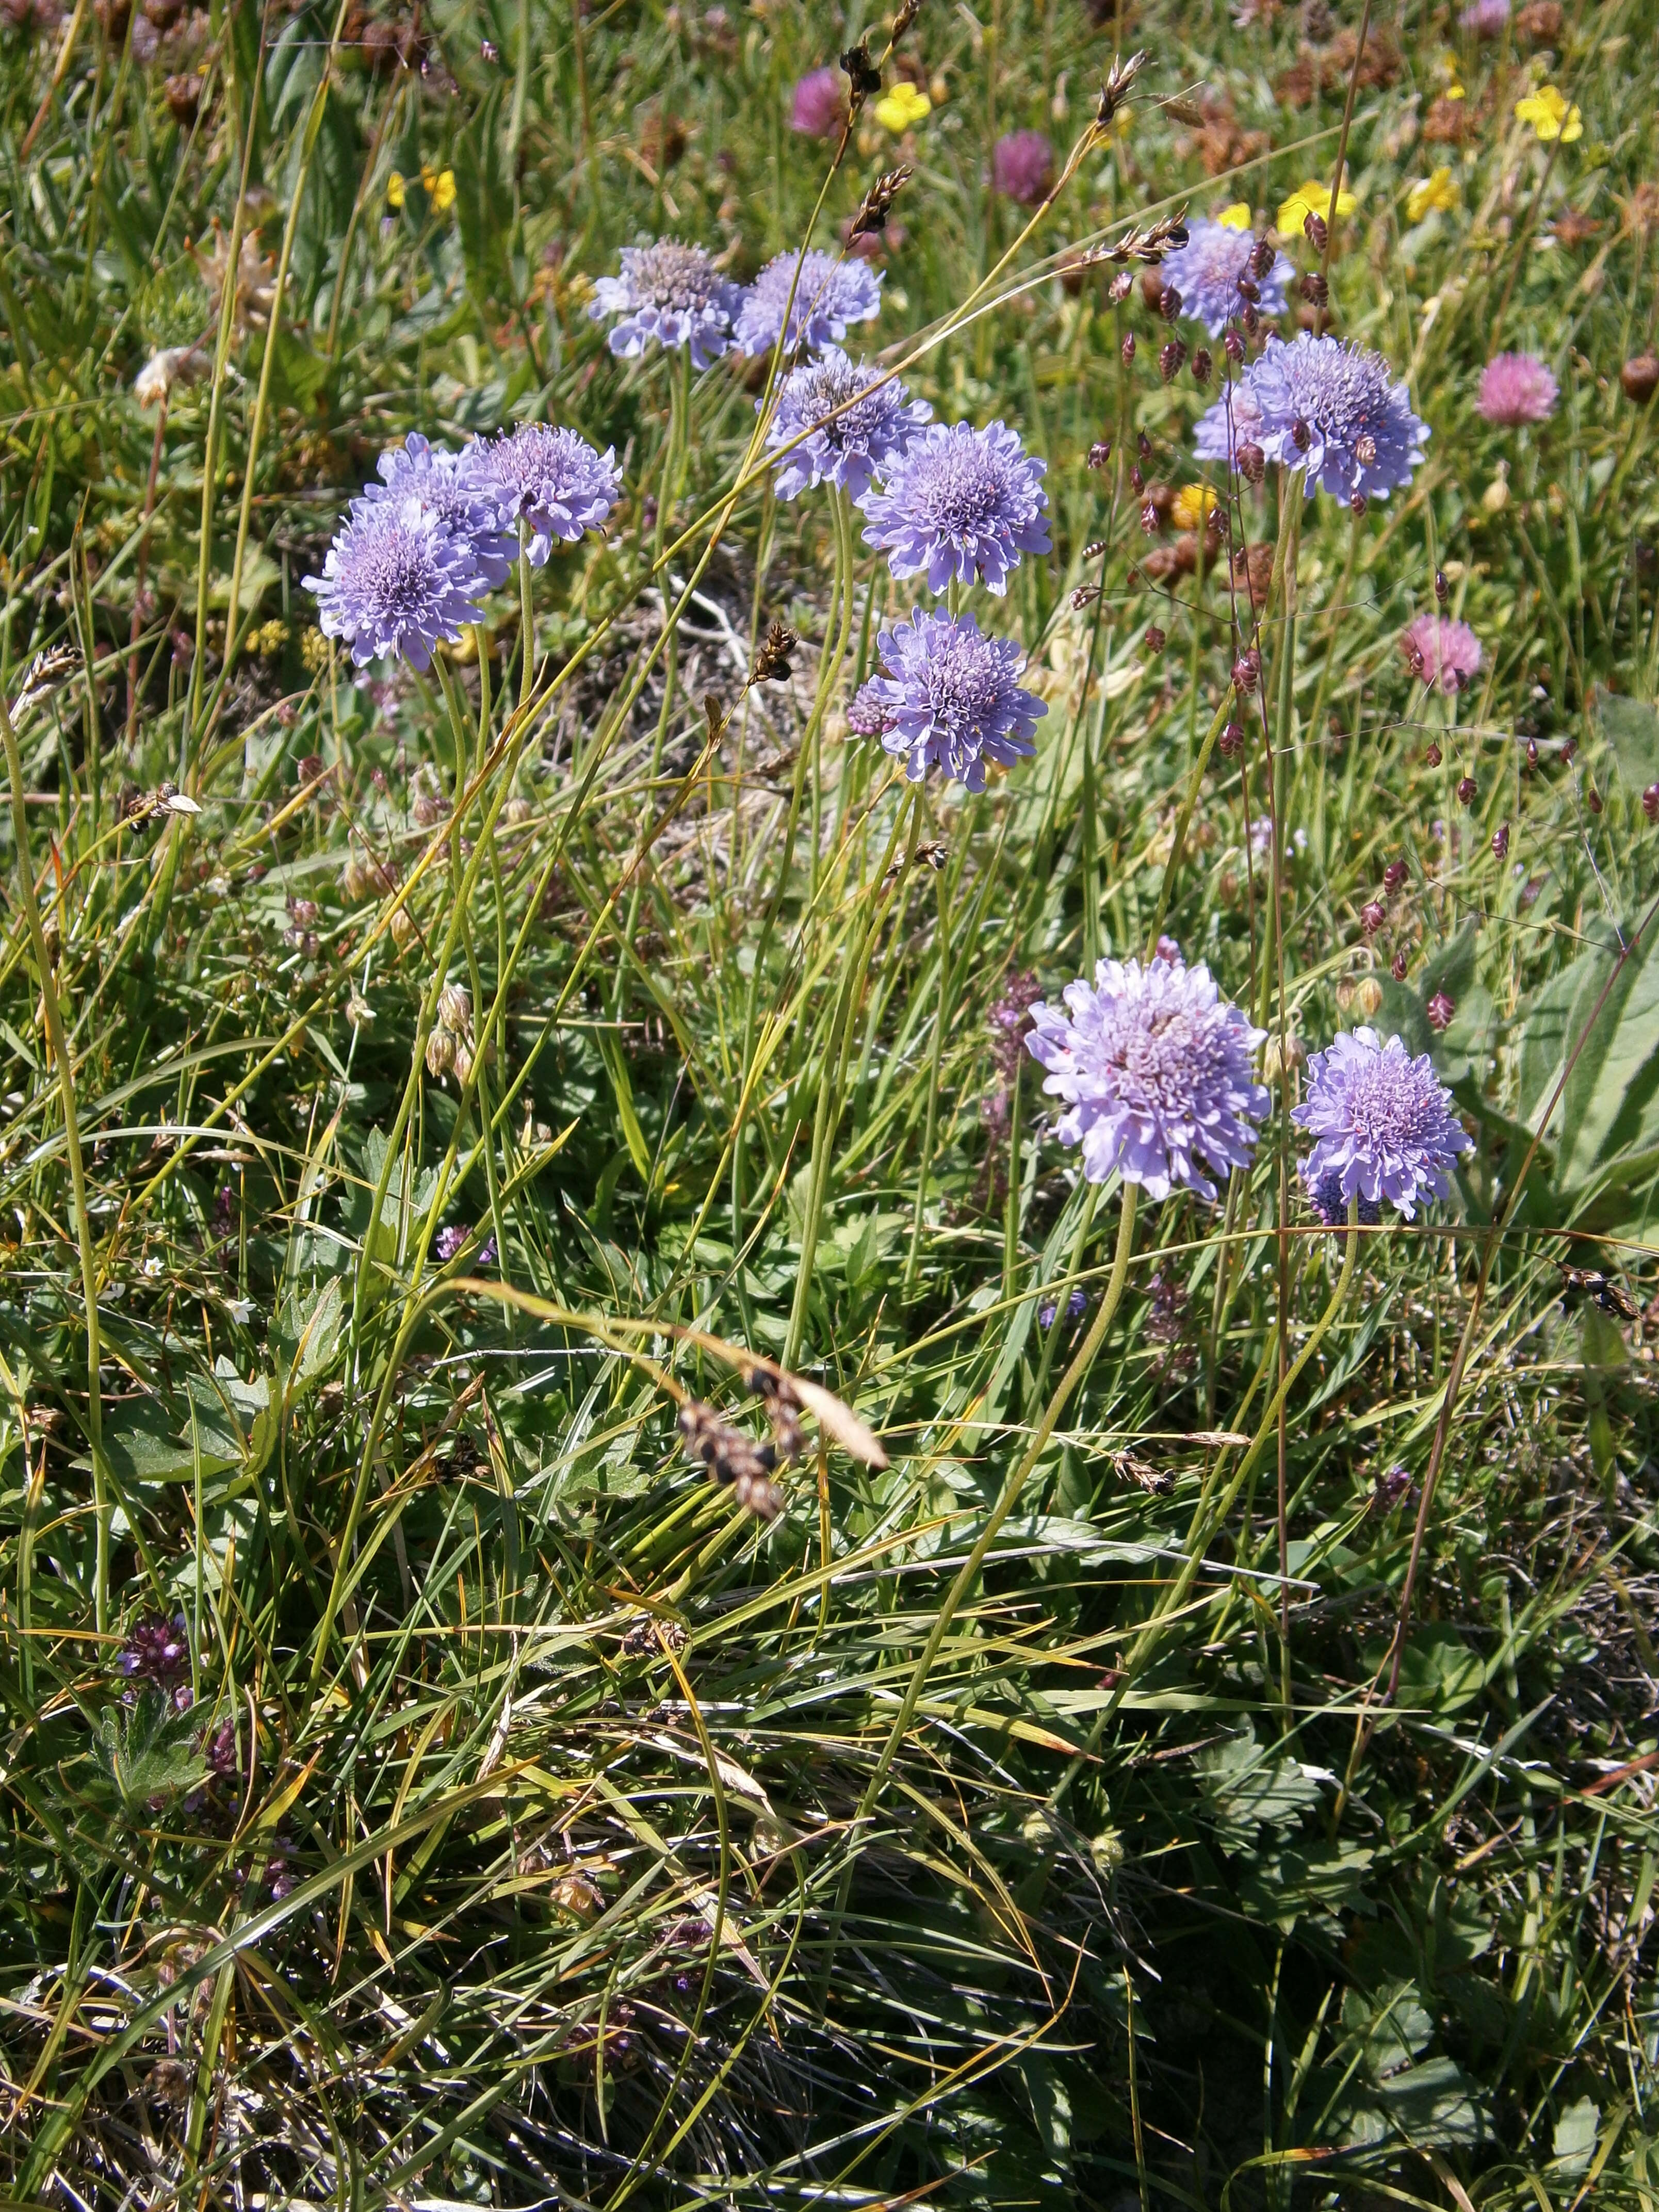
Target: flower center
(395, 568)
(669, 275)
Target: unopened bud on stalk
(1433, 757)
(1442, 588)
(1468, 791)
(1100, 453)
(1234, 346)
(1500, 842)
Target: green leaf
(1433, 2105)
(1439, 1673)
(148, 1750)
(1631, 729)
(1574, 2142)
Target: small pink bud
(1441, 1010)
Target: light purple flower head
(868, 714)
(1381, 1122)
(960, 503)
(1206, 269)
(850, 446)
(1325, 406)
(1442, 654)
(1330, 1202)
(1154, 1066)
(671, 294)
(552, 480)
(1487, 18)
(951, 698)
(1516, 388)
(452, 487)
(397, 581)
(820, 106)
(1023, 166)
(828, 296)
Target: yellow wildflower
(1192, 506)
(1313, 197)
(1236, 217)
(314, 650)
(440, 187)
(905, 104)
(1436, 191)
(1550, 115)
(394, 190)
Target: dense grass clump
(632, 1565)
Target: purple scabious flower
(1442, 654)
(452, 487)
(1324, 404)
(1154, 1066)
(1516, 388)
(554, 481)
(1383, 1124)
(1023, 166)
(952, 698)
(1206, 269)
(848, 448)
(1487, 18)
(397, 581)
(820, 106)
(960, 503)
(828, 295)
(1330, 1203)
(671, 294)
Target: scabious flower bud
(1468, 791)
(1171, 360)
(1202, 365)
(1252, 462)
(1500, 842)
(1440, 1010)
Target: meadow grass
(1193, 1743)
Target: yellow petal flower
(1236, 217)
(905, 104)
(394, 190)
(1550, 115)
(1436, 191)
(1313, 197)
(442, 189)
(1191, 505)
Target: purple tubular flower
(828, 296)
(452, 487)
(848, 448)
(951, 698)
(820, 106)
(960, 503)
(1361, 436)
(449, 1240)
(1442, 654)
(671, 294)
(1206, 269)
(1487, 18)
(868, 716)
(1330, 1203)
(397, 581)
(1516, 388)
(1023, 166)
(157, 1650)
(1382, 1125)
(1154, 1066)
(554, 481)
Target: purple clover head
(668, 294)
(1382, 1122)
(1487, 19)
(1154, 1066)
(397, 581)
(828, 297)
(551, 480)
(1324, 404)
(820, 105)
(847, 446)
(1206, 273)
(952, 698)
(1516, 388)
(1023, 166)
(1442, 654)
(452, 487)
(960, 503)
